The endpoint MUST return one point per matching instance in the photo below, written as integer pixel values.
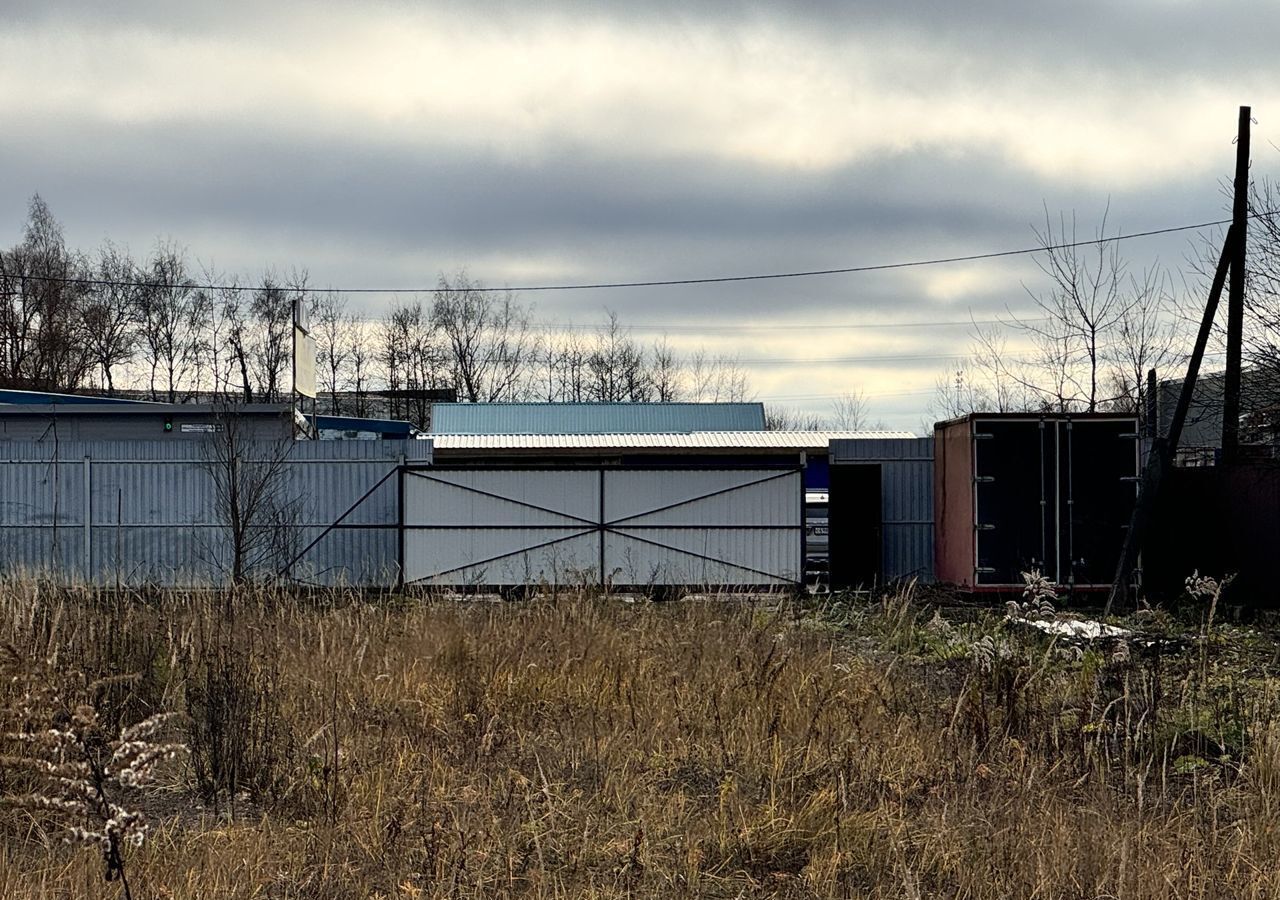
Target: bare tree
(1085, 303)
(713, 378)
(362, 361)
(1147, 336)
(169, 320)
(330, 323)
(548, 385)
(252, 495)
(850, 412)
(111, 312)
(412, 358)
(239, 341)
(574, 368)
(960, 392)
(487, 338)
(616, 367)
(43, 338)
(667, 372)
(780, 418)
(220, 348)
(272, 344)
(1260, 393)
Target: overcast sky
(379, 144)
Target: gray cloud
(363, 207)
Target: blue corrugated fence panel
(154, 514)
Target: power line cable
(671, 282)
(709, 327)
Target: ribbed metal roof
(386, 427)
(44, 398)
(696, 440)
(594, 418)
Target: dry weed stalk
(77, 775)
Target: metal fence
(146, 512)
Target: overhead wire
(712, 328)
(667, 282)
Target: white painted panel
(493, 556)
(304, 371)
(470, 497)
(702, 527)
(703, 556)
(710, 497)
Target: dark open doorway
(855, 526)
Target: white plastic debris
(1077, 628)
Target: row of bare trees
(485, 346)
(71, 320)
(176, 331)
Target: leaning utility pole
(1235, 297)
(1164, 448)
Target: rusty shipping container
(1021, 491)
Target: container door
(1098, 484)
(854, 515)
(1012, 508)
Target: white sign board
(304, 364)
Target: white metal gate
(592, 526)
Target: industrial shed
(42, 415)
(807, 449)
(881, 511)
(83, 420)
(710, 508)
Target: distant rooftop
(46, 398)
(594, 418)
(785, 441)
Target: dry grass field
(339, 746)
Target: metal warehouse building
(709, 508)
(38, 416)
(129, 421)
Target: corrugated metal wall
(138, 512)
(64, 423)
(483, 526)
(594, 418)
(906, 479)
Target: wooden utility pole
(1164, 448)
(1235, 297)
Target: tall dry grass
(716, 748)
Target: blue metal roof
(594, 418)
(45, 398)
(388, 428)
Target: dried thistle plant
(1039, 594)
(73, 773)
(1206, 588)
